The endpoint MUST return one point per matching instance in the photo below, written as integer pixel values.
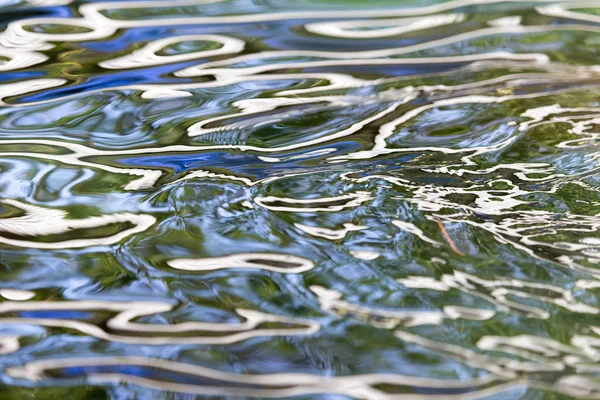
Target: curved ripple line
(562, 10)
(28, 86)
(392, 26)
(278, 385)
(39, 221)
(499, 292)
(92, 11)
(324, 204)
(284, 263)
(331, 302)
(146, 56)
(222, 333)
(330, 234)
(345, 59)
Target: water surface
(309, 199)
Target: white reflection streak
(498, 292)
(411, 228)
(93, 11)
(331, 301)
(540, 349)
(28, 86)
(223, 333)
(374, 57)
(508, 368)
(39, 221)
(9, 344)
(147, 56)
(364, 255)
(356, 127)
(100, 27)
(344, 59)
(276, 385)
(202, 174)
(391, 27)
(250, 107)
(286, 264)
(17, 294)
(155, 91)
(562, 10)
(48, 3)
(330, 234)
(388, 129)
(148, 177)
(323, 204)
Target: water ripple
(300, 199)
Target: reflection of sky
(181, 162)
(244, 164)
(148, 372)
(19, 75)
(106, 81)
(58, 314)
(390, 70)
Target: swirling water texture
(312, 199)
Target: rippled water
(300, 198)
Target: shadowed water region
(312, 199)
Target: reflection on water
(313, 199)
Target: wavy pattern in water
(276, 199)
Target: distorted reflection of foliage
(314, 199)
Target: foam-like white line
(39, 221)
(260, 261)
